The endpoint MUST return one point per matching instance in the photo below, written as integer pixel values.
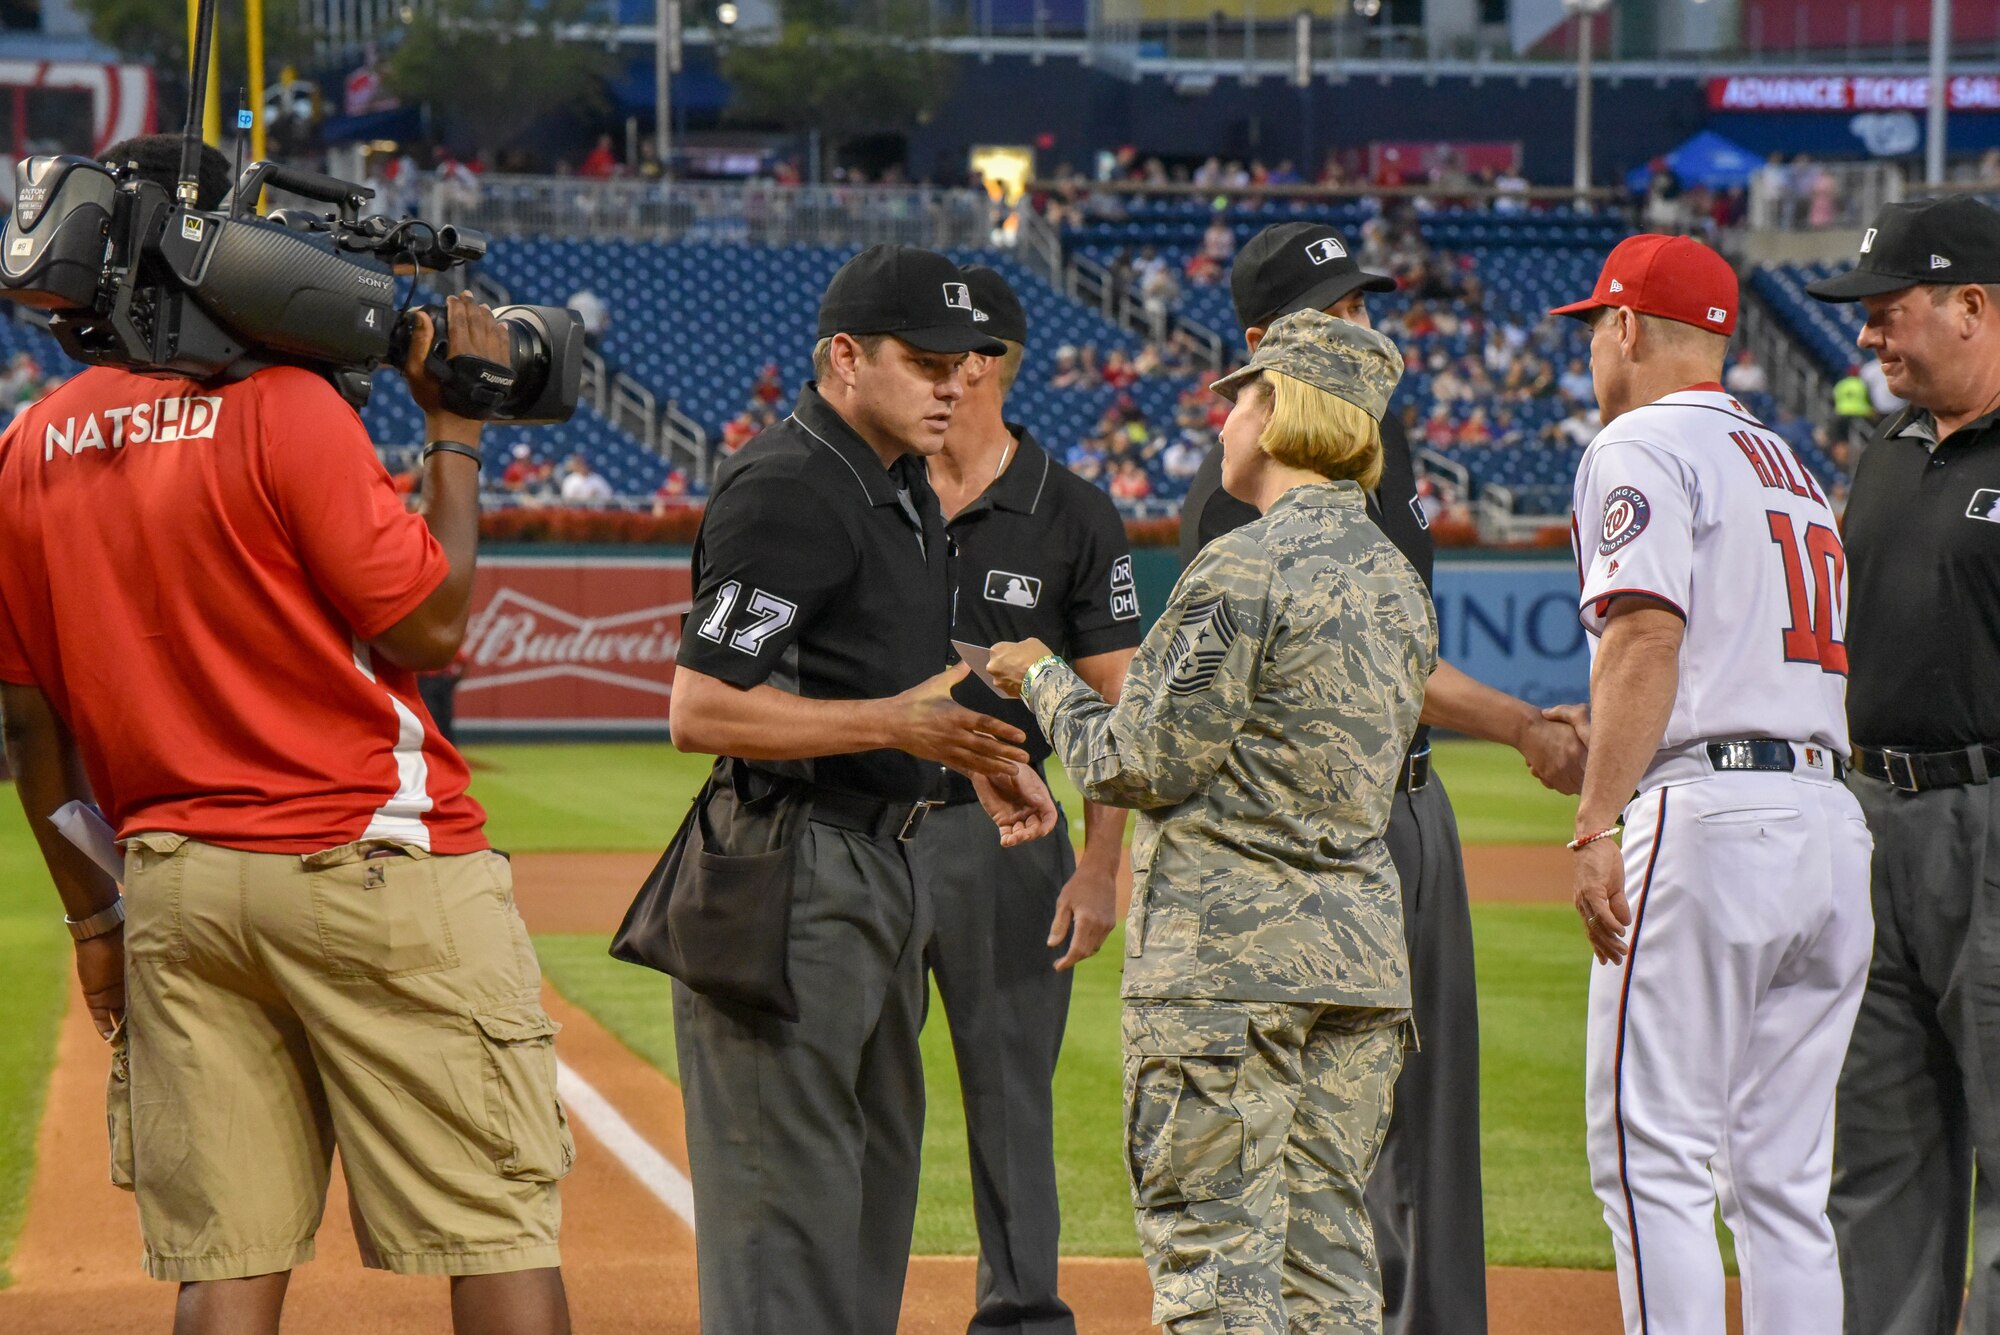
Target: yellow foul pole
(211, 111)
(254, 21)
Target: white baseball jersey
(1712, 1054)
(1695, 502)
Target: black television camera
(132, 277)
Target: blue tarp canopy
(1707, 159)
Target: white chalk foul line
(655, 1171)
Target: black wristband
(471, 452)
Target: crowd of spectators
(22, 383)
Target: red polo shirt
(191, 575)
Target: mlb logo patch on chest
(1985, 505)
(1004, 586)
(1626, 514)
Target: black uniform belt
(886, 821)
(1916, 771)
(1762, 754)
(1416, 772)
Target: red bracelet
(1578, 845)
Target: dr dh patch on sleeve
(1200, 644)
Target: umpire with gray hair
(1917, 1115)
(1041, 553)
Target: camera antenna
(189, 189)
(243, 123)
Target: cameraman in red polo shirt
(212, 609)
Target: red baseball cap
(1673, 277)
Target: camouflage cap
(1328, 353)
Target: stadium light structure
(1934, 131)
(666, 60)
(1586, 12)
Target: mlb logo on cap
(1672, 277)
(959, 297)
(1326, 251)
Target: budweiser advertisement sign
(581, 642)
(1849, 92)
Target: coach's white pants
(1714, 1049)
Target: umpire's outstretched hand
(1019, 803)
(929, 724)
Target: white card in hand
(976, 657)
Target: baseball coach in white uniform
(1733, 927)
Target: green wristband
(1034, 668)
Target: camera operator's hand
(472, 331)
(100, 969)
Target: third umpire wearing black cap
(1042, 555)
(1424, 1197)
(822, 584)
(1918, 1108)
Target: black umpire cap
(994, 303)
(1295, 266)
(1923, 241)
(916, 295)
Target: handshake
(1556, 746)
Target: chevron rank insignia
(1200, 644)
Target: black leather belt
(1416, 772)
(886, 822)
(1919, 771)
(1763, 755)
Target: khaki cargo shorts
(372, 997)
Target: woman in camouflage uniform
(1266, 996)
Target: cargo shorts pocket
(155, 869)
(529, 1130)
(1184, 1133)
(380, 914)
(118, 1110)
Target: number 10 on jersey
(1815, 633)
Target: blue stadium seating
(1826, 332)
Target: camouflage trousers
(1250, 1131)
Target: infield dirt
(629, 1260)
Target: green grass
(1532, 972)
(635, 1005)
(1497, 800)
(34, 970)
(584, 798)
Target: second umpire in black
(1042, 554)
(822, 585)
(1424, 1197)
(1916, 1142)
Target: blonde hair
(1318, 431)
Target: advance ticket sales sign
(576, 643)
(1848, 92)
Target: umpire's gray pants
(1919, 1098)
(803, 1137)
(1006, 1006)
(1424, 1198)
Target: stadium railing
(756, 212)
(1813, 196)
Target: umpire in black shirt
(1041, 554)
(1424, 1197)
(822, 584)
(1919, 1101)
